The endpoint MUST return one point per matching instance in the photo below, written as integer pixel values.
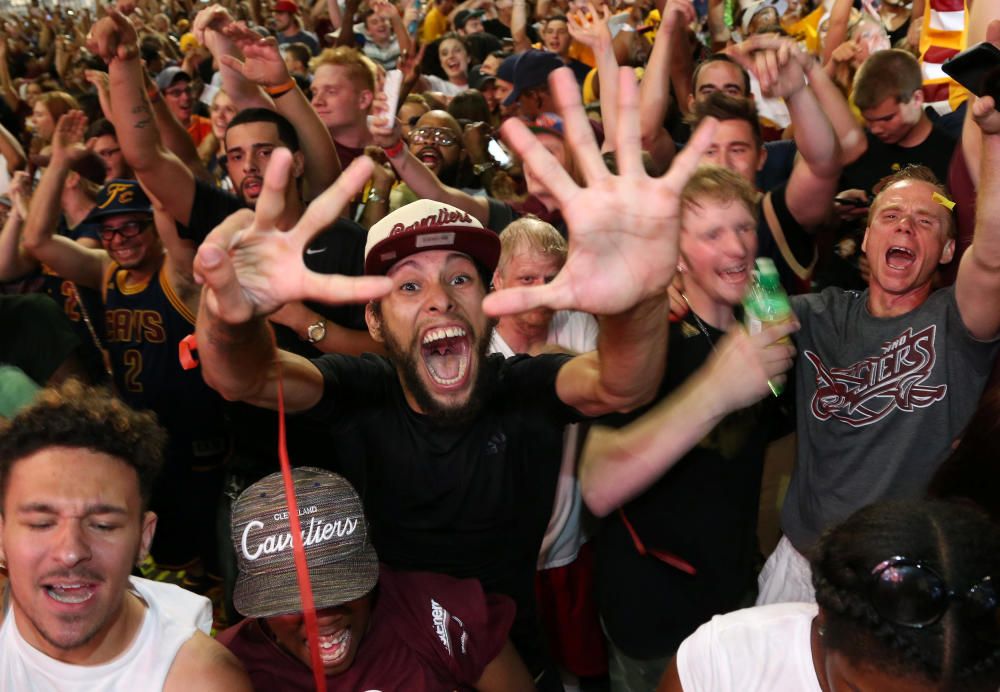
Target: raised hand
(67, 140)
(113, 38)
(623, 228)
(262, 62)
(678, 13)
(249, 268)
(214, 18)
(590, 26)
(383, 126)
(20, 193)
(384, 8)
(777, 62)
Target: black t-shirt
(703, 511)
(468, 501)
(883, 159)
(338, 250)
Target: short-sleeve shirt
(469, 500)
(883, 159)
(880, 401)
(428, 633)
(752, 650)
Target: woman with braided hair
(906, 600)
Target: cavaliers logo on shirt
(869, 390)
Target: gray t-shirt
(879, 403)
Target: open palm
(250, 268)
(623, 227)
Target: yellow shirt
(434, 26)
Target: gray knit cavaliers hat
(342, 562)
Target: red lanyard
(301, 567)
(188, 361)
(661, 555)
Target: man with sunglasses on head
(144, 274)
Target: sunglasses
(908, 593)
(433, 135)
(129, 229)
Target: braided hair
(961, 544)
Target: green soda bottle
(766, 303)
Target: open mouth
(70, 594)
(736, 274)
(333, 647)
(898, 257)
(252, 186)
(446, 355)
(429, 157)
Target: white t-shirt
(577, 332)
(444, 86)
(763, 649)
(172, 617)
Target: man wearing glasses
(150, 299)
(174, 85)
(436, 141)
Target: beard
(441, 414)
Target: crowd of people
(477, 270)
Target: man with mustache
(78, 469)
(460, 451)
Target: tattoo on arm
(144, 122)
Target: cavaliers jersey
(144, 325)
(81, 305)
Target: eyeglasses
(908, 593)
(435, 135)
(178, 92)
(129, 229)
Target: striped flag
(944, 33)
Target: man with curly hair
(76, 472)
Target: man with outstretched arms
(453, 440)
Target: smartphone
(977, 69)
(850, 202)
(498, 153)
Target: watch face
(316, 332)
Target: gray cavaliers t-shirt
(879, 403)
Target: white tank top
(172, 616)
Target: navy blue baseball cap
(120, 196)
(526, 71)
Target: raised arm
(519, 26)
(162, 173)
(654, 92)
(15, 261)
(249, 269)
(778, 63)
(977, 287)
(262, 64)
(12, 151)
(67, 258)
(388, 135)
(386, 9)
(590, 28)
(618, 465)
(622, 250)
